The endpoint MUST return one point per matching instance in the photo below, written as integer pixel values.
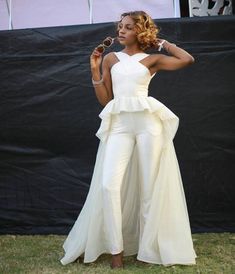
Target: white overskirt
(167, 236)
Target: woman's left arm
(180, 58)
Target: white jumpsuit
(136, 201)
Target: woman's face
(126, 31)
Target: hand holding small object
(96, 56)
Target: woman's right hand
(95, 59)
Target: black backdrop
(49, 116)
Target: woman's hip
(136, 122)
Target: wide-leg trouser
(127, 130)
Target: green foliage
(40, 254)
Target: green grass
(41, 254)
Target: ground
(41, 254)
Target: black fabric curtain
(49, 116)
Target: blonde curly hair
(146, 29)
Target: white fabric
(129, 129)
(165, 238)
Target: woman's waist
(130, 93)
(129, 97)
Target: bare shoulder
(109, 56)
(106, 60)
(109, 59)
(164, 62)
(153, 59)
(156, 56)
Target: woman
(136, 202)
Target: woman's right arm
(103, 90)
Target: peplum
(130, 79)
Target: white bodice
(130, 82)
(129, 76)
